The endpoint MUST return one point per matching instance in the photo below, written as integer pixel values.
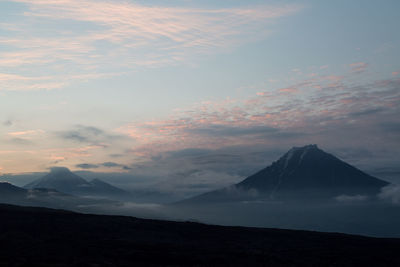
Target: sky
(201, 93)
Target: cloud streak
(108, 164)
(114, 35)
(358, 67)
(93, 136)
(390, 193)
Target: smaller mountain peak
(59, 170)
(7, 186)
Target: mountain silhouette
(10, 193)
(34, 197)
(63, 180)
(46, 197)
(302, 173)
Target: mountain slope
(106, 187)
(63, 180)
(61, 238)
(12, 194)
(46, 197)
(303, 172)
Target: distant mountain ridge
(10, 192)
(35, 197)
(302, 172)
(63, 180)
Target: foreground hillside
(60, 238)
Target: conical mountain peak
(301, 173)
(297, 155)
(59, 178)
(310, 168)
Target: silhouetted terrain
(39, 236)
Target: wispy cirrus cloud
(107, 37)
(15, 82)
(24, 82)
(125, 22)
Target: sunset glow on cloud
(113, 38)
(123, 86)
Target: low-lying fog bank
(372, 218)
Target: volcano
(302, 173)
(63, 180)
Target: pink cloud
(317, 106)
(358, 66)
(126, 22)
(289, 90)
(174, 36)
(15, 82)
(333, 78)
(26, 133)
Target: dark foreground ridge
(46, 237)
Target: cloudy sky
(202, 91)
